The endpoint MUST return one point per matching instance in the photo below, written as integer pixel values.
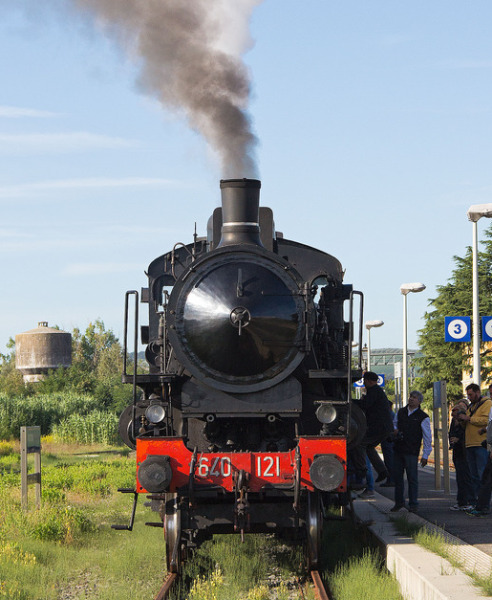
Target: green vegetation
(224, 568)
(446, 360)
(68, 416)
(43, 410)
(94, 428)
(79, 404)
(264, 569)
(353, 569)
(97, 363)
(68, 544)
(67, 548)
(363, 577)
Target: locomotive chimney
(240, 212)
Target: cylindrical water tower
(41, 349)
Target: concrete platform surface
(434, 507)
(422, 574)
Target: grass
(353, 567)
(437, 543)
(68, 549)
(363, 577)
(224, 568)
(68, 544)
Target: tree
(448, 360)
(11, 380)
(97, 363)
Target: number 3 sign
(457, 329)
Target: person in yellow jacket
(476, 418)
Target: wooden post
(30, 438)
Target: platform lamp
(405, 289)
(476, 212)
(369, 326)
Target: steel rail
(166, 586)
(319, 588)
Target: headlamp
(326, 413)
(155, 413)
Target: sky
(374, 128)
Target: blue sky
(374, 122)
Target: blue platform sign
(487, 329)
(457, 329)
(360, 383)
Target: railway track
(166, 586)
(319, 588)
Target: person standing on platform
(482, 507)
(475, 419)
(413, 427)
(465, 496)
(377, 409)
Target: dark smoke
(190, 56)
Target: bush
(56, 526)
(94, 428)
(9, 464)
(53, 495)
(42, 410)
(6, 448)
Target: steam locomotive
(243, 420)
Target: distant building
(42, 349)
(383, 361)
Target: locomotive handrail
(173, 255)
(351, 325)
(135, 353)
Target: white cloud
(23, 190)
(75, 141)
(15, 112)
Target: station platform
(434, 507)
(420, 573)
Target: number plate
(263, 468)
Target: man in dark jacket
(413, 426)
(377, 409)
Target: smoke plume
(190, 56)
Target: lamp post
(405, 289)
(476, 212)
(369, 326)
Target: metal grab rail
(359, 365)
(135, 353)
